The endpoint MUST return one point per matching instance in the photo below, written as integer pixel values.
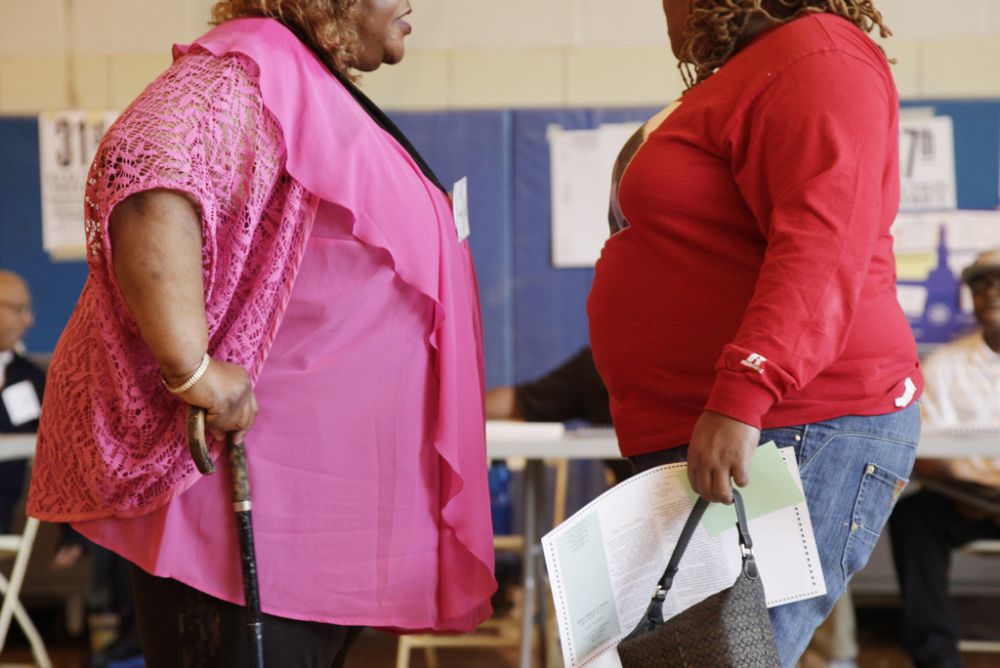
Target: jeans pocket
(877, 494)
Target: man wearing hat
(962, 391)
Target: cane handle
(196, 440)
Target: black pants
(182, 627)
(12, 476)
(925, 528)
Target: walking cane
(244, 526)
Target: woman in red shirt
(749, 294)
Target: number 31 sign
(67, 142)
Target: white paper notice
(21, 402)
(67, 142)
(582, 161)
(966, 234)
(927, 164)
(912, 298)
(460, 207)
(605, 560)
(972, 230)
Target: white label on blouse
(21, 402)
(460, 207)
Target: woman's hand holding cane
(226, 394)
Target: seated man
(573, 390)
(962, 390)
(21, 387)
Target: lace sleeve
(196, 130)
(112, 440)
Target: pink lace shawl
(112, 438)
(235, 134)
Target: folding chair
(20, 545)
(983, 548)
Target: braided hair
(715, 27)
(326, 26)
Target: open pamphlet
(605, 560)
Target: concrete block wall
(463, 53)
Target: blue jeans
(853, 469)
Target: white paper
(67, 142)
(972, 230)
(916, 232)
(605, 560)
(966, 234)
(581, 163)
(497, 430)
(21, 402)
(927, 164)
(460, 207)
(913, 299)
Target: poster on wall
(581, 163)
(931, 251)
(67, 142)
(927, 164)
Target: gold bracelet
(190, 382)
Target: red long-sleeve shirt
(756, 278)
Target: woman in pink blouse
(257, 226)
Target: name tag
(21, 402)
(460, 207)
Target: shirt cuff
(735, 394)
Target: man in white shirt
(962, 391)
(21, 386)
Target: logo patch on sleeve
(755, 362)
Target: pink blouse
(367, 461)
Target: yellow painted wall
(463, 53)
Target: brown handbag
(729, 629)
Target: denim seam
(871, 437)
(882, 475)
(858, 501)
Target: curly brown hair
(715, 27)
(326, 26)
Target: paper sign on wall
(931, 251)
(927, 164)
(582, 161)
(67, 142)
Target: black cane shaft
(249, 561)
(256, 636)
(248, 556)
(251, 590)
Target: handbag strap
(667, 579)
(654, 614)
(746, 543)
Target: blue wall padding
(534, 315)
(550, 319)
(477, 145)
(55, 286)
